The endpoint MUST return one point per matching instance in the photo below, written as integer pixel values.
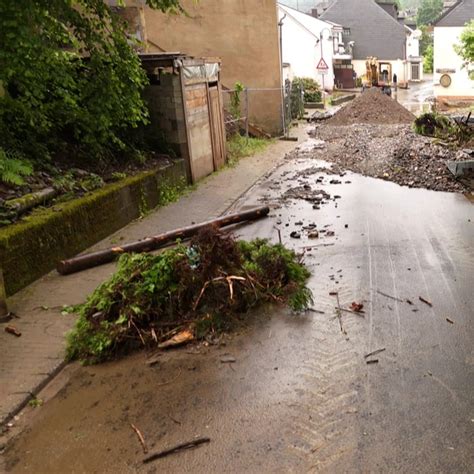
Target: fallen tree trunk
(83, 262)
(25, 203)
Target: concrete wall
(302, 50)
(413, 45)
(446, 58)
(32, 247)
(243, 33)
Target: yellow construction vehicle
(378, 74)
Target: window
(346, 31)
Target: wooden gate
(344, 74)
(216, 118)
(201, 159)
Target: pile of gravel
(372, 107)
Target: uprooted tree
(70, 80)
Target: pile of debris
(184, 293)
(372, 107)
(391, 152)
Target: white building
(451, 79)
(305, 41)
(372, 29)
(414, 62)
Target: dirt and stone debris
(372, 107)
(392, 152)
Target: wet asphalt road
(413, 411)
(301, 396)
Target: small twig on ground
(313, 310)
(140, 438)
(390, 296)
(358, 313)
(279, 235)
(169, 381)
(174, 420)
(338, 312)
(375, 361)
(450, 321)
(176, 449)
(370, 354)
(425, 301)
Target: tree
(429, 11)
(69, 77)
(428, 59)
(465, 48)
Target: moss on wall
(32, 247)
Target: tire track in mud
(325, 419)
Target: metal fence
(240, 104)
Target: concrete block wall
(165, 104)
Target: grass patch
(239, 147)
(201, 288)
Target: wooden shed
(185, 105)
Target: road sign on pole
(322, 65)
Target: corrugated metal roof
(457, 15)
(373, 30)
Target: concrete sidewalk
(27, 363)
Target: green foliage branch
(69, 77)
(465, 48)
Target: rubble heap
(372, 107)
(391, 152)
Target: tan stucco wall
(445, 58)
(243, 33)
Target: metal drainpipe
(280, 24)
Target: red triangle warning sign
(322, 65)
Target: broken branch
(425, 301)
(140, 438)
(370, 354)
(176, 449)
(390, 296)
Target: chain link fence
(241, 103)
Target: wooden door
(216, 117)
(199, 131)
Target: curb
(19, 406)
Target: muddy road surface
(301, 395)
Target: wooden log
(83, 262)
(24, 204)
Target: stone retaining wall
(32, 247)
